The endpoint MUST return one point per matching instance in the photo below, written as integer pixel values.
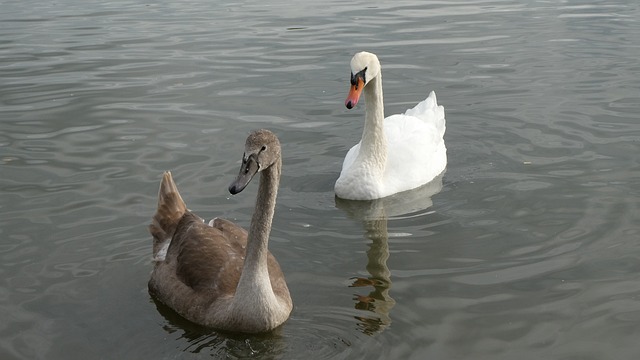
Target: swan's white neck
(373, 148)
(254, 286)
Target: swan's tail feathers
(170, 210)
(429, 111)
(432, 101)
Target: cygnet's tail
(170, 210)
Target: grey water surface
(528, 247)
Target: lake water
(528, 246)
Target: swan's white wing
(350, 157)
(416, 152)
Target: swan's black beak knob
(249, 168)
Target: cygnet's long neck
(254, 280)
(373, 149)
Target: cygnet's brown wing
(230, 230)
(206, 259)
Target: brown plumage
(218, 274)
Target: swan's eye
(244, 158)
(361, 74)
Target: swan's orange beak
(354, 93)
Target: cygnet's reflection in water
(374, 215)
(201, 339)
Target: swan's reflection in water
(374, 215)
(378, 300)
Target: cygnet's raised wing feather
(230, 230)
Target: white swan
(218, 275)
(399, 153)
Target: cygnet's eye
(264, 147)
